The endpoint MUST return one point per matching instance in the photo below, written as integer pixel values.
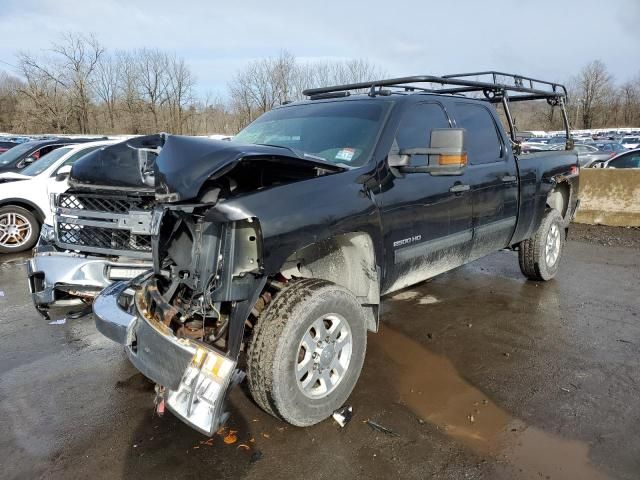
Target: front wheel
(307, 351)
(19, 229)
(540, 255)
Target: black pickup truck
(280, 244)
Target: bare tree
(78, 59)
(179, 91)
(9, 101)
(48, 104)
(592, 87)
(265, 83)
(321, 73)
(79, 87)
(629, 95)
(153, 81)
(105, 85)
(128, 91)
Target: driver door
(426, 219)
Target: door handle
(459, 188)
(508, 178)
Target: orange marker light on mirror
(453, 160)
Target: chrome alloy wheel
(552, 247)
(324, 354)
(15, 230)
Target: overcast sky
(549, 39)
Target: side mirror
(29, 160)
(446, 154)
(63, 173)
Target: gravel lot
(479, 373)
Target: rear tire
(19, 229)
(539, 256)
(307, 351)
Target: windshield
(10, 156)
(343, 133)
(45, 162)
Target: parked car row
(591, 153)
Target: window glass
(44, 150)
(344, 133)
(36, 168)
(80, 154)
(626, 161)
(415, 128)
(617, 147)
(16, 153)
(481, 137)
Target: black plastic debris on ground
(379, 428)
(257, 455)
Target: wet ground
(478, 374)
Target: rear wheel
(19, 229)
(307, 351)
(540, 255)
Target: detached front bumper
(195, 376)
(59, 278)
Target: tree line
(78, 86)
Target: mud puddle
(432, 389)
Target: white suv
(24, 196)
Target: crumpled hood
(183, 165)
(127, 164)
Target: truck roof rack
(497, 87)
(491, 83)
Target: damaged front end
(183, 323)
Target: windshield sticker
(345, 154)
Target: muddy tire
(19, 229)
(307, 351)
(540, 255)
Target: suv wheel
(19, 229)
(540, 255)
(307, 351)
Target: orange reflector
(453, 159)
(199, 357)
